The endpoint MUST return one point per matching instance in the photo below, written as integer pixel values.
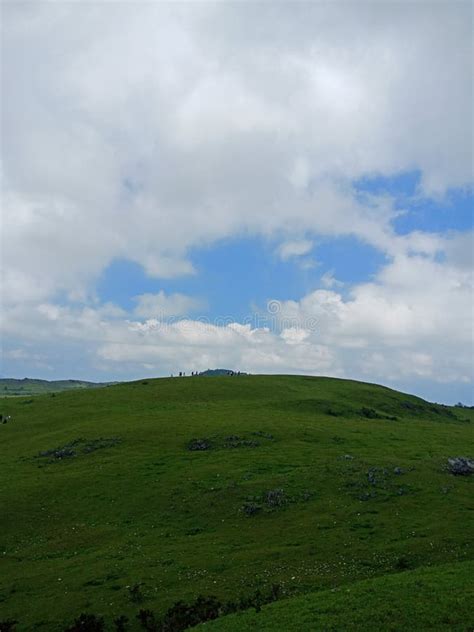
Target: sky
(267, 187)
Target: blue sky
(237, 275)
(452, 212)
(242, 186)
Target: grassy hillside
(439, 598)
(141, 494)
(28, 386)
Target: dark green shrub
(87, 623)
(182, 616)
(147, 621)
(135, 593)
(121, 624)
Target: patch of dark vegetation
(78, 447)
(229, 442)
(461, 466)
(136, 593)
(251, 508)
(8, 625)
(269, 500)
(264, 435)
(120, 623)
(235, 441)
(93, 582)
(275, 498)
(147, 620)
(59, 453)
(390, 410)
(418, 409)
(181, 616)
(461, 405)
(196, 445)
(335, 409)
(87, 623)
(370, 413)
(194, 531)
(314, 406)
(402, 563)
(377, 483)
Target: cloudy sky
(271, 187)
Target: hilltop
(327, 494)
(219, 372)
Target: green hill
(426, 599)
(28, 386)
(142, 494)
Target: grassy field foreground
(439, 598)
(313, 484)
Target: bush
(87, 623)
(121, 624)
(135, 593)
(182, 616)
(402, 563)
(147, 621)
(369, 413)
(8, 625)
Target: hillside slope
(141, 494)
(422, 600)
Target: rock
(371, 476)
(239, 442)
(199, 444)
(398, 470)
(250, 509)
(275, 497)
(461, 466)
(59, 453)
(265, 435)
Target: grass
(392, 603)
(133, 506)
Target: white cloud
(140, 134)
(291, 249)
(162, 306)
(328, 280)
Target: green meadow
(138, 495)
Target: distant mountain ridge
(31, 386)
